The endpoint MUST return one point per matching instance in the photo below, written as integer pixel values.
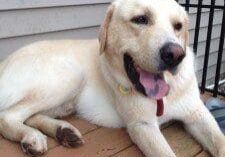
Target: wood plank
(182, 143)
(10, 149)
(99, 143)
(83, 126)
(203, 154)
(132, 151)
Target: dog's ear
(104, 29)
(186, 37)
(186, 33)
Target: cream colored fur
(52, 79)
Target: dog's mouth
(149, 84)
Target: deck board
(99, 143)
(203, 154)
(104, 142)
(181, 142)
(83, 126)
(132, 151)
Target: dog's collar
(128, 90)
(124, 90)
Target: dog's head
(145, 38)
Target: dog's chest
(96, 104)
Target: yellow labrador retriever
(143, 78)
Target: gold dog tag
(124, 90)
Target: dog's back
(23, 72)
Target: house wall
(23, 22)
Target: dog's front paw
(69, 137)
(34, 144)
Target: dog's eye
(178, 26)
(143, 19)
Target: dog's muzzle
(171, 55)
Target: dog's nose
(172, 54)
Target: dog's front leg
(141, 121)
(139, 115)
(201, 124)
(149, 139)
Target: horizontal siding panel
(8, 46)
(203, 33)
(205, 19)
(25, 4)
(202, 45)
(27, 22)
(22, 4)
(212, 60)
(211, 73)
(211, 81)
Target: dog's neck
(115, 79)
(121, 84)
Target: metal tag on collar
(124, 90)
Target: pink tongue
(155, 86)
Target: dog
(138, 75)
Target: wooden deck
(104, 142)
